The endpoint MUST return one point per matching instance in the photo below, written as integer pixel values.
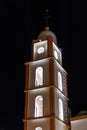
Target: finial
(47, 28)
(46, 17)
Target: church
(46, 92)
(79, 122)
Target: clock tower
(46, 97)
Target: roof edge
(78, 117)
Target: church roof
(46, 32)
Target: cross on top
(47, 16)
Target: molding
(78, 117)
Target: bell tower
(46, 97)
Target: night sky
(21, 22)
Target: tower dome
(45, 33)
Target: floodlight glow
(61, 109)
(55, 54)
(60, 81)
(38, 106)
(39, 76)
(38, 128)
(40, 50)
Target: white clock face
(55, 54)
(40, 50)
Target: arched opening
(55, 54)
(39, 76)
(38, 106)
(38, 128)
(60, 81)
(61, 109)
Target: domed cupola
(45, 33)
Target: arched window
(38, 128)
(60, 81)
(61, 109)
(39, 76)
(55, 54)
(38, 106)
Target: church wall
(58, 96)
(43, 123)
(57, 69)
(60, 125)
(32, 94)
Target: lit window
(60, 81)
(39, 76)
(40, 50)
(60, 109)
(38, 106)
(55, 54)
(38, 128)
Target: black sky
(21, 22)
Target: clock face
(55, 54)
(40, 50)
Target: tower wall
(46, 97)
(46, 124)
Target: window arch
(61, 116)
(60, 81)
(38, 128)
(55, 54)
(39, 76)
(39, 106)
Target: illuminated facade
(46, 98)
(79, 122)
